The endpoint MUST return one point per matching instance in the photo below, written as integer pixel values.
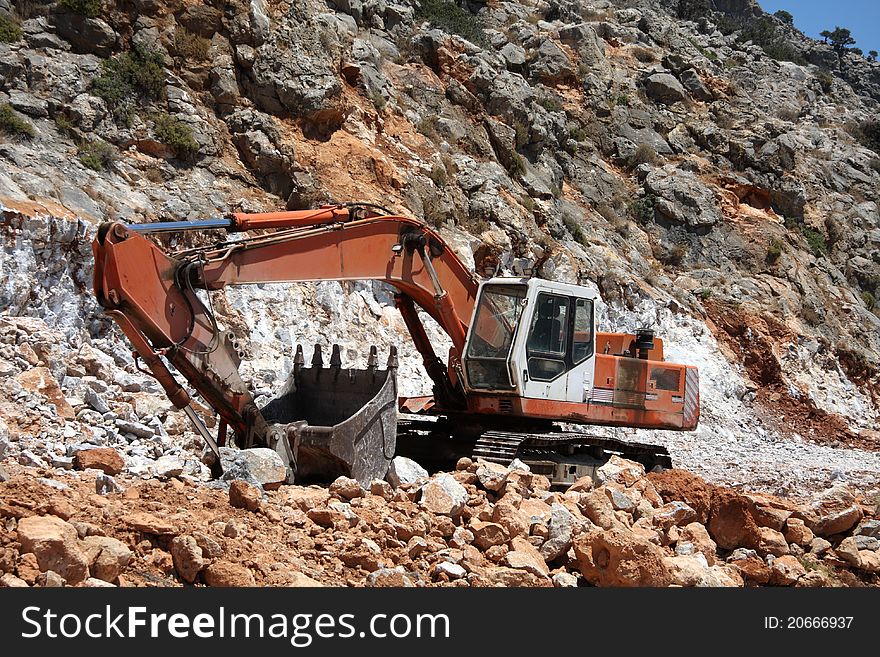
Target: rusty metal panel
(629, 383)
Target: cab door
(555, 355)
(583, 354)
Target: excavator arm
(154, 295)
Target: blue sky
(860, 17)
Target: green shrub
(528, 203)
(88, 8)
(578, 134)
(173, 132)
(774, 251)
(642, 209)
(574, 227)
(621, 99)
(784, 16)
(550, 104)
(135, 75)
(705, 293)
(449, 17)
(826, 80)
(763, 32)
(96, 155)
(867, 133)
(869, 299)
(11, 123)
(65, 126)
(10, 32)
(191, 46)
(644, 154)
(816, 241)
(517, 165)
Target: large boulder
(405, 472)
(54, 543)
(525, 556)
(681, 485)
(85, 35)
(258, 465)
(620, 471)
(617, 557)
(107, 556)
(831, 512)
(731, 521)
(680, 197)
(443, 495)
(694, 84)
(549, 63)
(106, 459)
(41, 380)
(664, 88)
(562, 528)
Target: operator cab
(533, 338)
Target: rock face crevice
(706, 189)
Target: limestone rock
(664, 88)
(390, 577)
(404, 471)
(228, 574)
(772, 542)
(347, 488)
(107, 556)
(786, 570)
(833, 511)
(54, 543)
(487, 534)
(149, 524)
(244, 496)
(443, 495)
(525, 556)
(105, 459)
(257, 465)
(620, 471)
(797, 532)
(188, 558)
(615, 557)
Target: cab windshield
(497, 317)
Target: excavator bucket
(338, 422)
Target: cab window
(582, 335)
(546, 345)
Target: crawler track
(563, 456)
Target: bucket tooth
(335, 358)
(317, 358)
(298, 360)
(392, 358)
(373, 359)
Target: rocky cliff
(711, 179)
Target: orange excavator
(527, 363)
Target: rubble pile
(482, 525)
